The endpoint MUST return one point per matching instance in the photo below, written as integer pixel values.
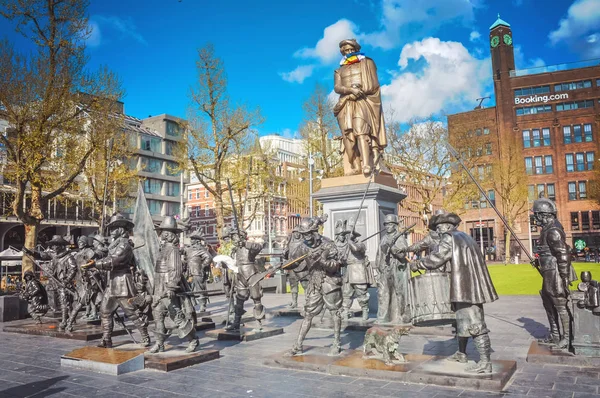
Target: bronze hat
(118, 220)
(169, 223)
(197, 234)
(390, 219)
(445, 218)
(58, 240)
(351, 42)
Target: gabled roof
(499, 22)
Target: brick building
(553, 112)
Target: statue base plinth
(363, 326)
(82, 331)
(177, 358)
(418, 368)
(341, 197)
(104, 360)
(244, 334)
(204, 325)
(288, 312)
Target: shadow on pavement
(36, 389)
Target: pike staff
(456, 155)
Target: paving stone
(543, 393)
(576, 388)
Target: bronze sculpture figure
(358, 110)
(557, 272)
(168, 282)
(295, 248)
(471, 287)
(357, 277)
(324, 284)
(393, 277)
(36, 296)
(198, 259)
(120, 285)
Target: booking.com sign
(532, 99)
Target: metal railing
(555, 68)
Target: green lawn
(523, 279)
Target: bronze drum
(430, 299)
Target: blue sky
(432, 55)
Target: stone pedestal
(9, 308)
(341, 198)
(423, 369)
(244, 334)
(104, 360)
(177, 358)
(586, 329)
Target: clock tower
(501, 47)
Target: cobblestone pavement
(30, 365)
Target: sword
(532, 260)
(51, 275)
(254, 279)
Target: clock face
(507, 40)
(495, 41)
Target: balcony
(555, 68)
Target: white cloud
(299, 74)
(523, 63)
(124, 26)
(406, 20)
(580, 24)
(474, 36)
(452, 79)
(582, 17)
(95, 37)
(327, 48)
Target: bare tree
(54, 127)
(217, 131)
(319, 128)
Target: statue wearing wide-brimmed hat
(470, 287)
(429, 242)
(357, 275)
(198, 259)
(167, 289)
(245, 253)
(324, 283)
(393, 277)
(120, 285)
(65, 271)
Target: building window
(190, 194)
(197, 194)
(541, 190)
(532, 110)
(151, 165)
(478, 132)
(577, 190)
(486, 131)
(587, 131)
(526, 139)
(206, 210)
(575, 221)
(573, 85)
(580, 161)
(206, 193)
(535, 134)
(488, 148)
(569, 106)
(569, 161)
(152, 144)
(577, 137)
(532, 90)
(528, 166)
(172, 209)
(169, 148)
(531, 192)
(172, 169)
(585, 221)
(582, 189)
(492, 195)
(173, 189)
(595, 219)
(546, 136)
(154, 206)
(173, 129)
(572, 191)
(550, 191)
(543, 165)
(152, 186)
(567, 139)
